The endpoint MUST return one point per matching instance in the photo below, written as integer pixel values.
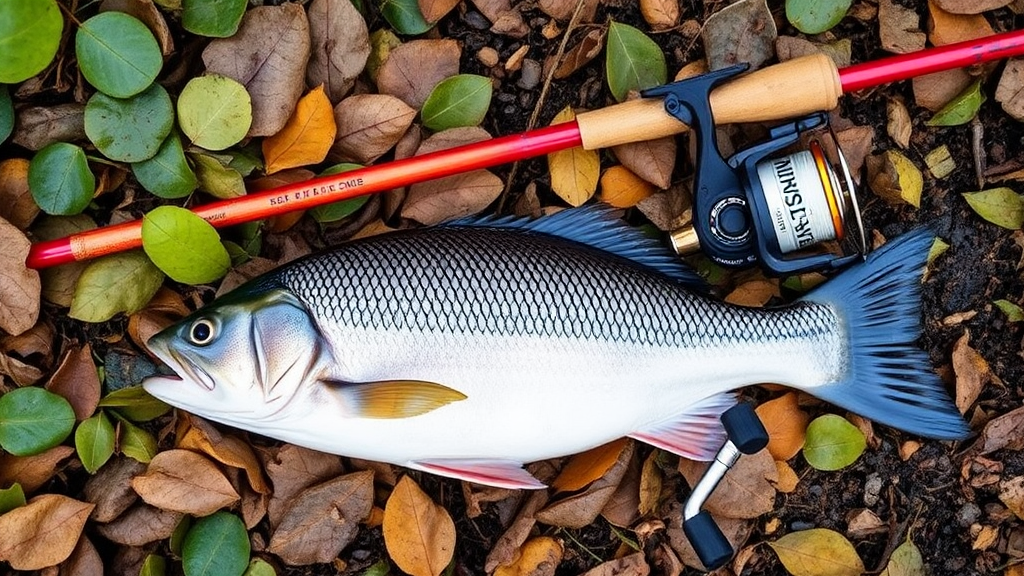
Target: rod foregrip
(792, 88)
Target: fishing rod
(793, 88)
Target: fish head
(240, 360)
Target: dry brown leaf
(652, 160)
(413, 69)
(323, 519)
(32, 471)
(198, 435)
(434, 10)
(857, 142)
(1010, 91)
(948, 28)
(900, 126)
(971, 6)
(933, 91)
(579, 510)
(736, 531)
(20, 287)
(788, 48)
(898, 28)
(580, 54)
(895, 178)
(786, 424)
(563, 9)
(306, 137)
(787, 477)
(267, 55)
(1006, 431)
(623, 508)
(42, 533)
(908, 449)
(77, 381)
(743, 31)
(110, 488)
(972, 373)
(507, 546)
(340, 46)
(574, 172)
(632, 565)
(747, 490)
(586, 467)
(754, 293)
(863, 523)
(1011, 493)
(36, 127)
(183, 481)
(292, 469)
(35, 346)
(537, 557)
(650, 484)
(986, 538)
(368, 126)
(83, 561)
(419, 534)
(147, 12)
(141, 525)
(16, 203)
(456, 196)
(660, 14)
(668, 209)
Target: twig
(977, 137)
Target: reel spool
(762, 205)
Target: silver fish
(470, 349)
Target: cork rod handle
(792, 88)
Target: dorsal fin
(598, 227)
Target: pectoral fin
(492, 472)
(696, 434)
(394, 398)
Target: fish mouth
(184, 367)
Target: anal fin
(696, 434)
(491, 472)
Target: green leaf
(183, 245)
(832, 443)
(6, 113)
(129, 129)
(135, 442)
(939, 247)
(818, 552)
(335, 211)
(33, 420)
(214, 111)
(134, 403)
(906, 560)
(60, 180)
(167, 174)
(461, 100)
(30, 32)
(214, 18)
(217, 179)
(816, 16)
(1000, 206)
(381, 568)
(634, 61)
(1013, 312)
(11, 498)
(961, 109)
(217, 545)
(153, 565)
(123, 282)
(177, 540)
(260, 567)
(94, 441)
(117, 54)
(404, 16)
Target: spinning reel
(761, 205)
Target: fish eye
(202, 332)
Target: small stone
(515, 61)
(476, 20)
(798, 525)
(968, 514)
(488, 56)
(530, 76)
(814, 491)
(872, 490)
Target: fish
(472, 348)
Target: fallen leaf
(268, 56)
(754, 293)
(745, 492)
(537, 557)
(292, 469)
(141, 525)
(323, 519)
(986, 538)
(894, 178)
(419, 534)
(20, 288)
(623, 507)
(183, 481)
(787, 477)
(42, 533)
(580, 54)
(16, 203)
(863, 523)
(435, 201)
(581, 509)
(668, 209)
(788, 48)
(574, 172)
(972, 373)
(563, 9)
(939, 162)
(1013, 312)
(1010, 91)
(652, 160)
(650, 484)
(786, 424)
(340, 46)
(744, 31)
(413, 69)
(110, 489)
(1001, 206)
(198, 435)
(1011, 493)
(306, 137)
(434, 10)
(961, 109)
(856, 142)
(898, 28)
(32, 471)
(833, 443)
(660, 14)
(368, 126)
(899, 126)
(148, 14)
(83, 561)
(817, 552)
(971, 6)
(948, 28)
(507, 547)
(736, 531)
(77, 381)
(586, 467)
(632, 565)
(933, 91)
(1006, 431)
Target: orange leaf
(588, 466)
(306, 137)
(419, 534)
(786, 424)
(200, 436)
(622, 188)
(42, 533)
(537, 556)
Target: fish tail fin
(889, 380)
